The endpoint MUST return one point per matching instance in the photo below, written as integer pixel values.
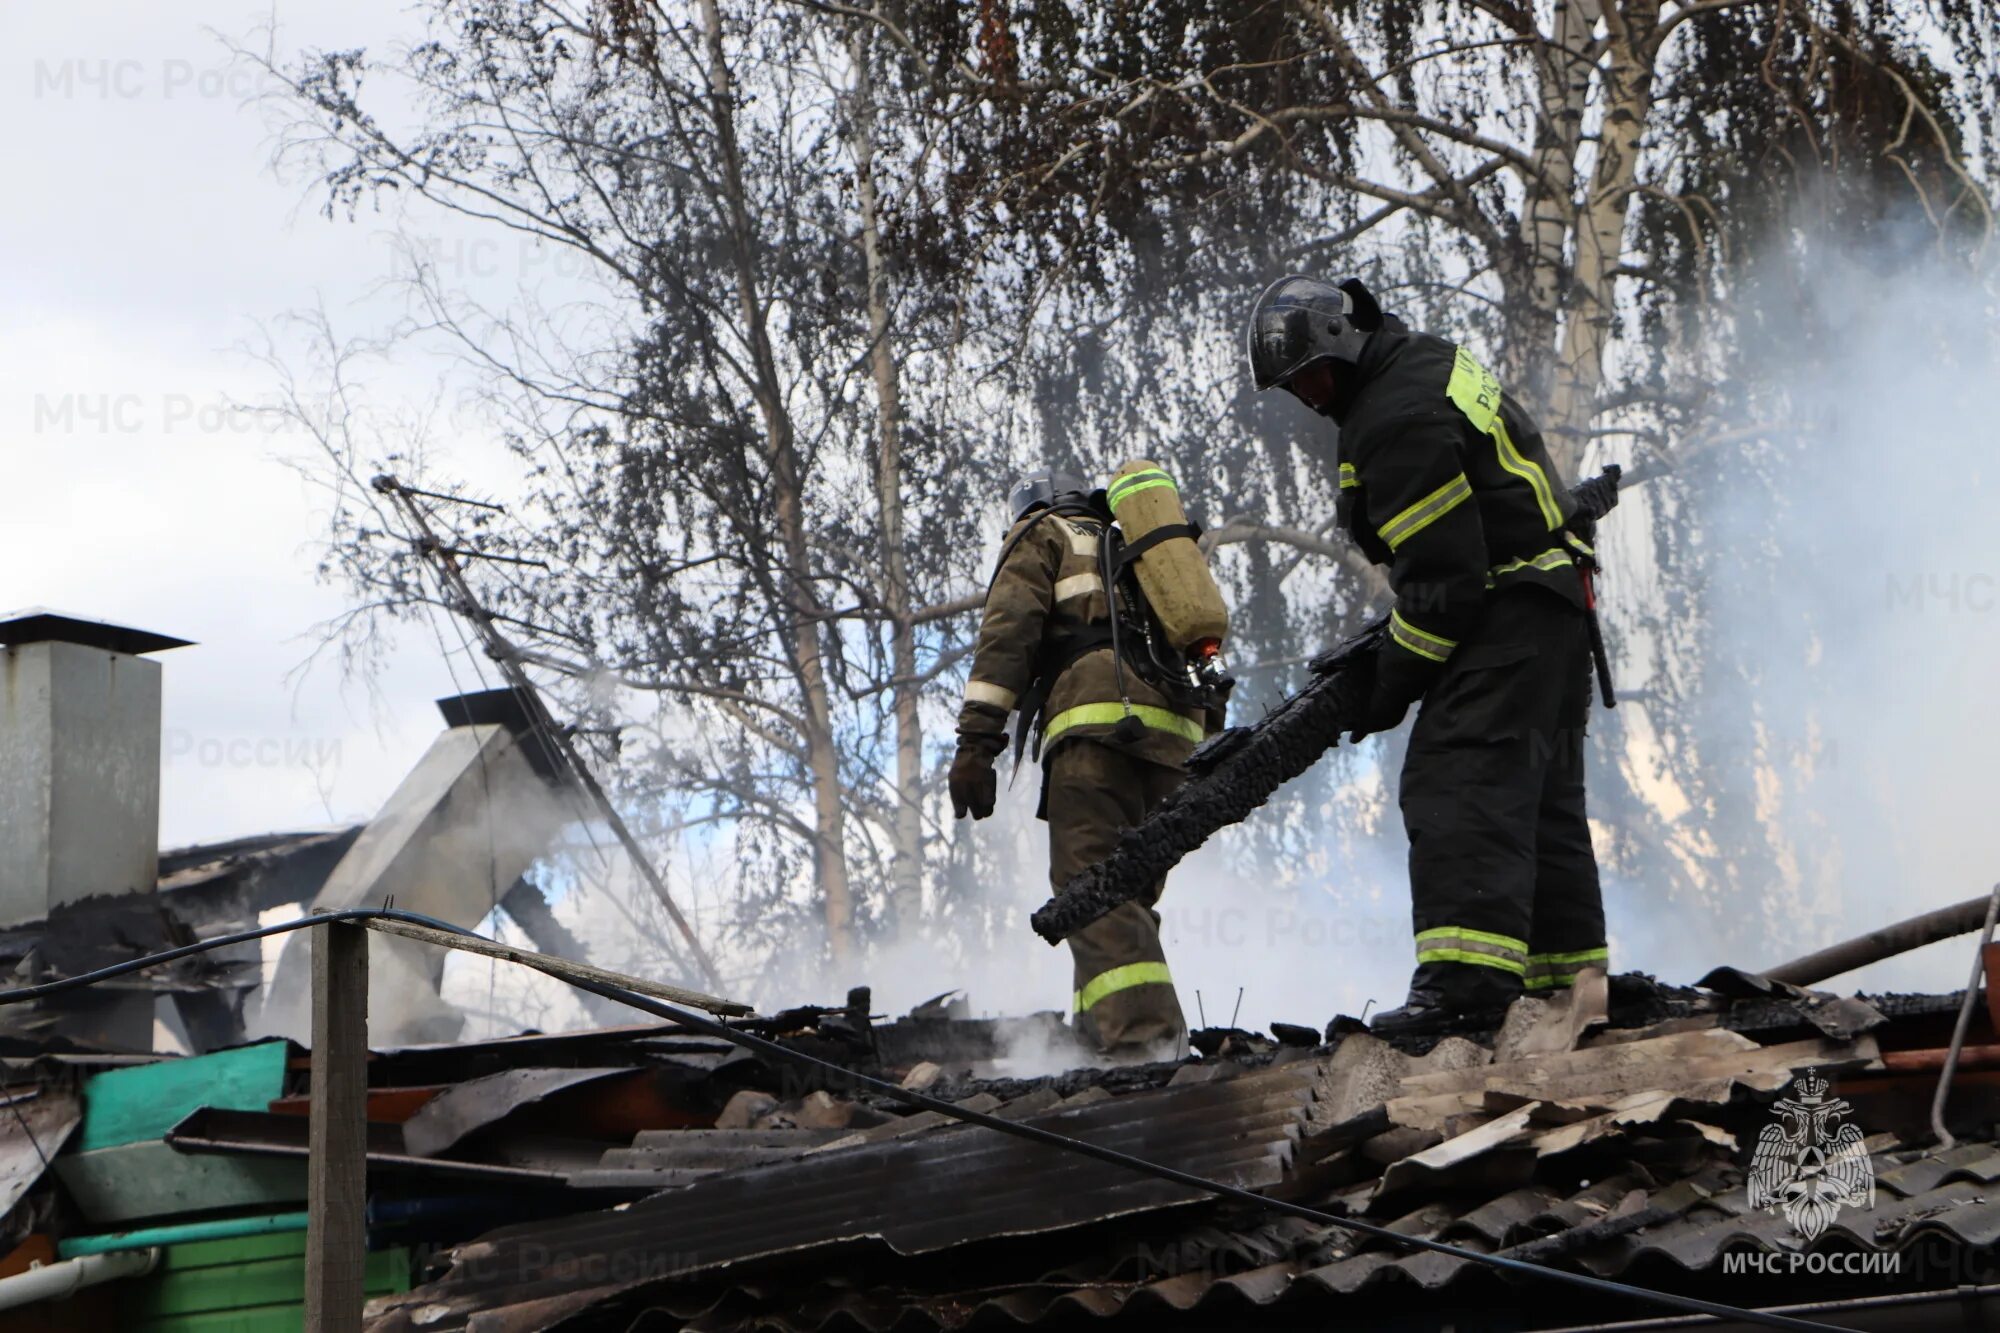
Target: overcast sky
(146, 242)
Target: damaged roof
(649, 1176)
(1608, 1135)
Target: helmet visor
(1283, 337)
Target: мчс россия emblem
(1809, 1163)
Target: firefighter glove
(1598, 496)
(973, 783)
(1384, 712)
(1398, 680)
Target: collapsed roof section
(469, 820)
(453, 842)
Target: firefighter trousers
(1124, 1000)
(1503, 880)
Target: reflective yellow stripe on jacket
(1477, 393)
(995, 696)
(1553, 558)
(1556, 557)
(1121, 978)
(1078, 585)
(1426, 511)
(1110, 715)
(1421, 642)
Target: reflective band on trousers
(1427, 511)
(1421, 642)
(1546, 971)
(1126, 487)
(1349, 479)
(1456, 944)
(1121, 978)
(1110, 715)
(984, 692)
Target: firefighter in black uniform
(1445, 480)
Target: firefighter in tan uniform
(1111, 742)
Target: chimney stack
(79, 762)
(80, 813)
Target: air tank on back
(1172, 572)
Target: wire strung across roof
(363, 916)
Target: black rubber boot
(1429, 1011)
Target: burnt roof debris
(657, 1175)
(98, 932)
(205, 891)
(1622, 1154)
(214, 888)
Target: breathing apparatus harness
(1199, 685)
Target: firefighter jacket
(1048, 601)
(1445, 480)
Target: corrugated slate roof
(915, 1196)
(1614, 1151)
(1618, 1159)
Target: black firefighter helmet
(1045, 490)
(1300, 320)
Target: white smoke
(1877, 707)
(1239, 947)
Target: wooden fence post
(337, 1169)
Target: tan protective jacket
(1050, 584)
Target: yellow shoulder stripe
(1477, 394)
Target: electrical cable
(43, 990)
(485, 776)
(841, 1077)
(558, 743)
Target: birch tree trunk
(907, 861)
(788, 500)
(1563, 73)
(1591, 305)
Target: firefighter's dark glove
(1399, 678)
(1384, 712)
(973, 784)
(1598, 496)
